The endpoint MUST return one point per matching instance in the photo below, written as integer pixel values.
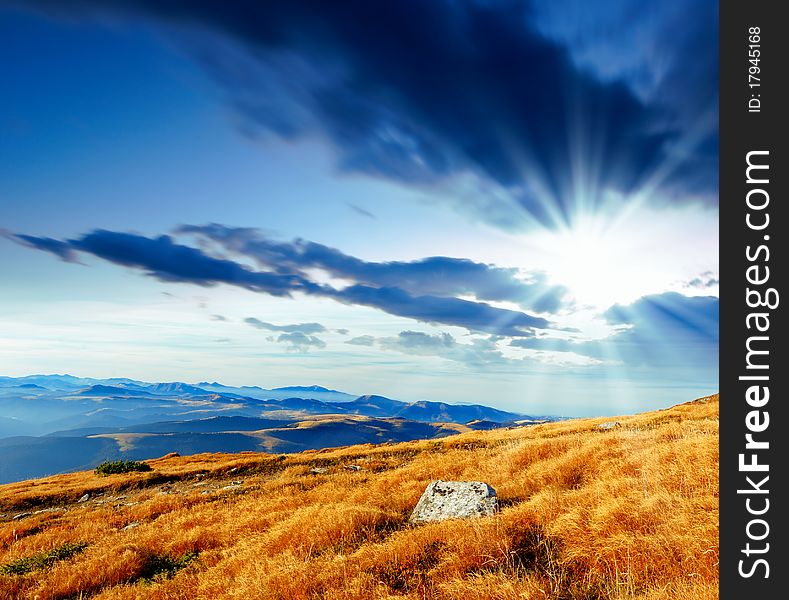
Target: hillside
(55, 424)
(587, 513)
(78, 449)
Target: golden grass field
(630, 512)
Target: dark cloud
(61, 249)
(477, 316)
(306, 328)
(166, 260)
(437, 275)
(420, 92)
(218, 318)
(300, 342)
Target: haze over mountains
(56, 423)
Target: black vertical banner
(754, 444)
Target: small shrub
(42, 560)
(121, 466)
(159, 567)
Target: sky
(500, 202)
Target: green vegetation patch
(42, 560)
(121, 466)
(159, 567)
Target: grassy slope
(630, 512)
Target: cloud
(704, 281)
(362, 340)
(361, 211)
(426, 92)
(657, 38)
(300, 342)
(477, 316)
(479, 352)
(306, 328)
(164, 259)
(482, 353)
(436, 275)
(667, 332)
(61, 249)
(218, 318)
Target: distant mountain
(455, 413)
(209, 425)
(214, 384)
(176, 387)
(376, 406)
(29, 457)
(111, 390)
(12, 427)
(59, 381)
(314, 392)
(81, 420)
(480, 425)
(304, 388)
(26, 457)
(308, 405)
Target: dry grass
(630, 512)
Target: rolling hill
(122, 418)
(623, 512)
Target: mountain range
(57, 423)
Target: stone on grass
(454, 500)
(609, 425)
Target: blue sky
(511, 203)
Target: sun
(597, 260)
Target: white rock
(454, 500)
(609, 425)
(84, 498)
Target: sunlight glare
(594, 259)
